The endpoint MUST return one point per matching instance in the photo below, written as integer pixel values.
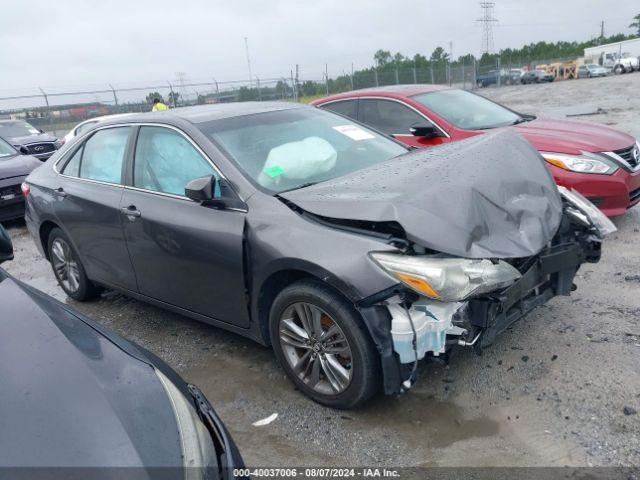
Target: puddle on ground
(424, 420)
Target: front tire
(68, 269)
(319, 339)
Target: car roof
(385, 91)
(217, 111)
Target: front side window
(102, 155)
(165, 161)
(286, 149)
(343, 107)
(389, 116)
(467, 110)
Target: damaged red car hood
(490, 196)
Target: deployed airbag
(490, 196)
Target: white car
(88, 124)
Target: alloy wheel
(316, 348)
(64, 265)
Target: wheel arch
(43, 233)
(279, 279)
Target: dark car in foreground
(77, 399)
(352, 257)
(14, 168)
(29, 139)
(536, 76)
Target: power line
(487, 21)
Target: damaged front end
(443, 302)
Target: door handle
(130, 211)
(60, 192)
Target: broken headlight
(585, 163)
(588, 209)
(447, 279)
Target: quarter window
(165, 161)
(72, 168)
(343, 107)
(389, 116)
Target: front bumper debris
(478, 321)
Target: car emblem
(636, 154)
(39, 148)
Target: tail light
(26, 189)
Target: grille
(634, 195)
(628, 155)
(39, 148)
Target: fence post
(46, 101)
(352, 76)
(115, 97)
(431, 71)
(259, 92)
(464, 77)
(499, 81)
(326, 77)
(173, 95)
(474, 75)
(375, 76)
(415, 75)
(397, 77)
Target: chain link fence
(58, 110)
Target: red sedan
(600, 162)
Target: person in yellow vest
(158, 106)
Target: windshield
(17, 128)
(288, 149)
(467, 110)
(592, 66)
(6, 150)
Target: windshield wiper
(304, 185)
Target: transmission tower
(487, 22)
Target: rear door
(184, 253)
(88, 194)
(395, 118)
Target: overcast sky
(71, 44)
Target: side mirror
(23, 150)
(6, 247)
(204, 189)
(424, 130)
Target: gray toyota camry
(351, 256)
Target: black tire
(365, 361)
(86, 289)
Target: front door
(87, 202)
(184, 253)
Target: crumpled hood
(70, 397)
(18, 166)
(489, 196)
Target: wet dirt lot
(551, 390)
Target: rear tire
(68, 268)
(335, 362)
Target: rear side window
(389, 116)
(72, 168)
(165, 161)
(343, 107)
(103, 155)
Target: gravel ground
(551, 391)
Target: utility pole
(601, 31)
(246, 48)
(487, 20)
(297, 81)
(351, 75)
